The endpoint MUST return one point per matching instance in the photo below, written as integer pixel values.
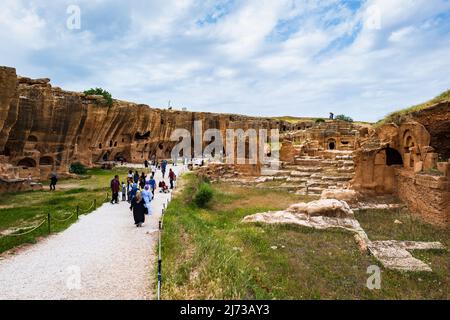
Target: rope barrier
(88, 209)
(27, 232)
(64, 220)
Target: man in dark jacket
(172, 178)
(53, 181)
(115, 187)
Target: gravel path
(103, 256)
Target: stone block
(418, 166)
(430, 161)
(444, 168)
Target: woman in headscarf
(134, 190)
(138, 208)
(147, 196)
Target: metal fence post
(78, 211)
(95, 203)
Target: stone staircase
(310, 175)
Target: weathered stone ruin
(410, 160)
(337, 214)
(44, 129)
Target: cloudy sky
(261, 57)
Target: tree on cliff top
(100, 92)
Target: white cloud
(297, 57)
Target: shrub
(100, 92)
(320, 120)
(203, 195)
(344, 118)
(77, 168)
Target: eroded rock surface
(331, 213)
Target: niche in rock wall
(331, 144)
(46, 161)
(32, 138)
(393, 157)
(27, 163)
(139, 136)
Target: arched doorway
(393, 157)
(27, 163)
(331, 144)
(46, 161)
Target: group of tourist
(139, 190)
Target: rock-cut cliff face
(46, 128)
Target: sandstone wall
(426, 196)
(44, 128)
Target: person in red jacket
(172, 178)
(115, 187)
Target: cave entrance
(27, 163)
(106, 156)
(144, 136)
(393, 157)
(331, 144)
(46, 161)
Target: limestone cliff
(47, 128)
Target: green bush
(78, 168)
(344, 118)
(203, 195)
(320, 120)
(100, 92)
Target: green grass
(400, 116)
(209, 254)
(19, 211)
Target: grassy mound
(400, 116)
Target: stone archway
(27, 163)
(331, 144)
(393, 157)
(46, 161)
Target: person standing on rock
(115, 188)
(139, 209)
(172, 178)
(53, 181)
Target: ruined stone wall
(45, 129)
(426, 196)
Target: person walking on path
(142, 181)
(163, 168)
(147, 197)
(139, 209)
(136, 177)
(146, 164)
(133, 192)
(115, 188)
(53, 181)
(172, 178)
(129, 178)
(124, 191)
(152, 183)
